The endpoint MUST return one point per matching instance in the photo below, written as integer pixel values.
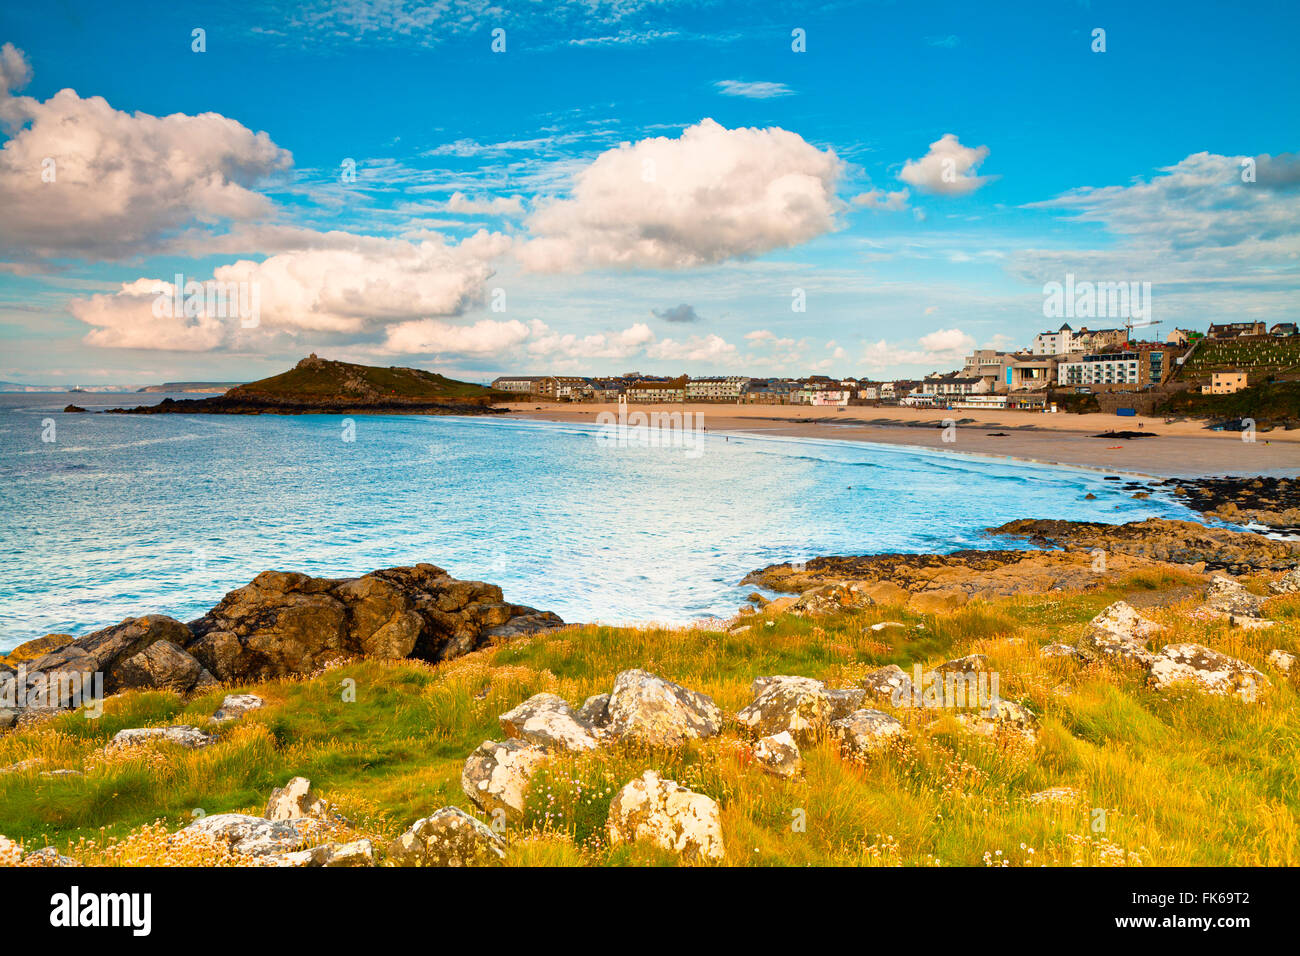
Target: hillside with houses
(1065, 368)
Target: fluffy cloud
(878, 199)
(944, 348)
(698, 348)
(711, 195)
(489, 206)
(351, 286)
(948, 169)
(121, 181)
(437, 337)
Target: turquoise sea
(125, 515)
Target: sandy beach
(1179, 449)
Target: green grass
(1176, 779)
(1265, 402)
(328, 380)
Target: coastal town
(1064, 368)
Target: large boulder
(450, 837)
(1288, 583)
(163, 666)
(1002, 718)
(865, 732)
(1230, 598)
(191, 738)
(779, 755)
(1206, 670)
(655, 711)
(831, 599)
(1119, 634)
(285, 623)
(788, 706)
(667, 815)
(255, 836)
(294, 801)
(548, 721)
(497, 775)
(234, 706)
(118, 653)
(889, 684)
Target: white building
(1106, 368)
(1059, 342)
(722, 389)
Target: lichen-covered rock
(1003, 717)
(548, 721)
(595, 711)
(845, 700)
(1288, 583)
(788, 706)
(1119, 634)
(970, 664)
(234, 706)
(48, 856)
(658, 712)
(1058, 650)
(865, 732)
(295, 800)
(1207, 670)
(667, 815)
(1282, 660)
(255, 836)
(831, 599)
(761, 685)
(189, 737)
(889, 684)
(1231, 598)
(779, 755)
(497, 775)
(355, 853)
(450, 837)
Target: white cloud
(948, 169)
(712, 194)
(752, 91)
(878, 199)
(15, 71)
(698, 348)
(435, 337)
(122, 181)
(349, 285)
(940, 349)
(485, 205)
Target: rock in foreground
(667, 815)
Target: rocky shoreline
(280, 624)
(228, 405)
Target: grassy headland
(1178, 779)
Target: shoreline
(1181, 449)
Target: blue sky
(495, 224)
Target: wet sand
(1180, 449)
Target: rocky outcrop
(901, 579)
(450, 837)
(1003, 717)
(287, 623)
(666, 815)
(658, 712)
(126, 656)
(889, 684)
(1207, 670)
(281, 624)
(1271, 502)
(1282, 660)
(1160, 539)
